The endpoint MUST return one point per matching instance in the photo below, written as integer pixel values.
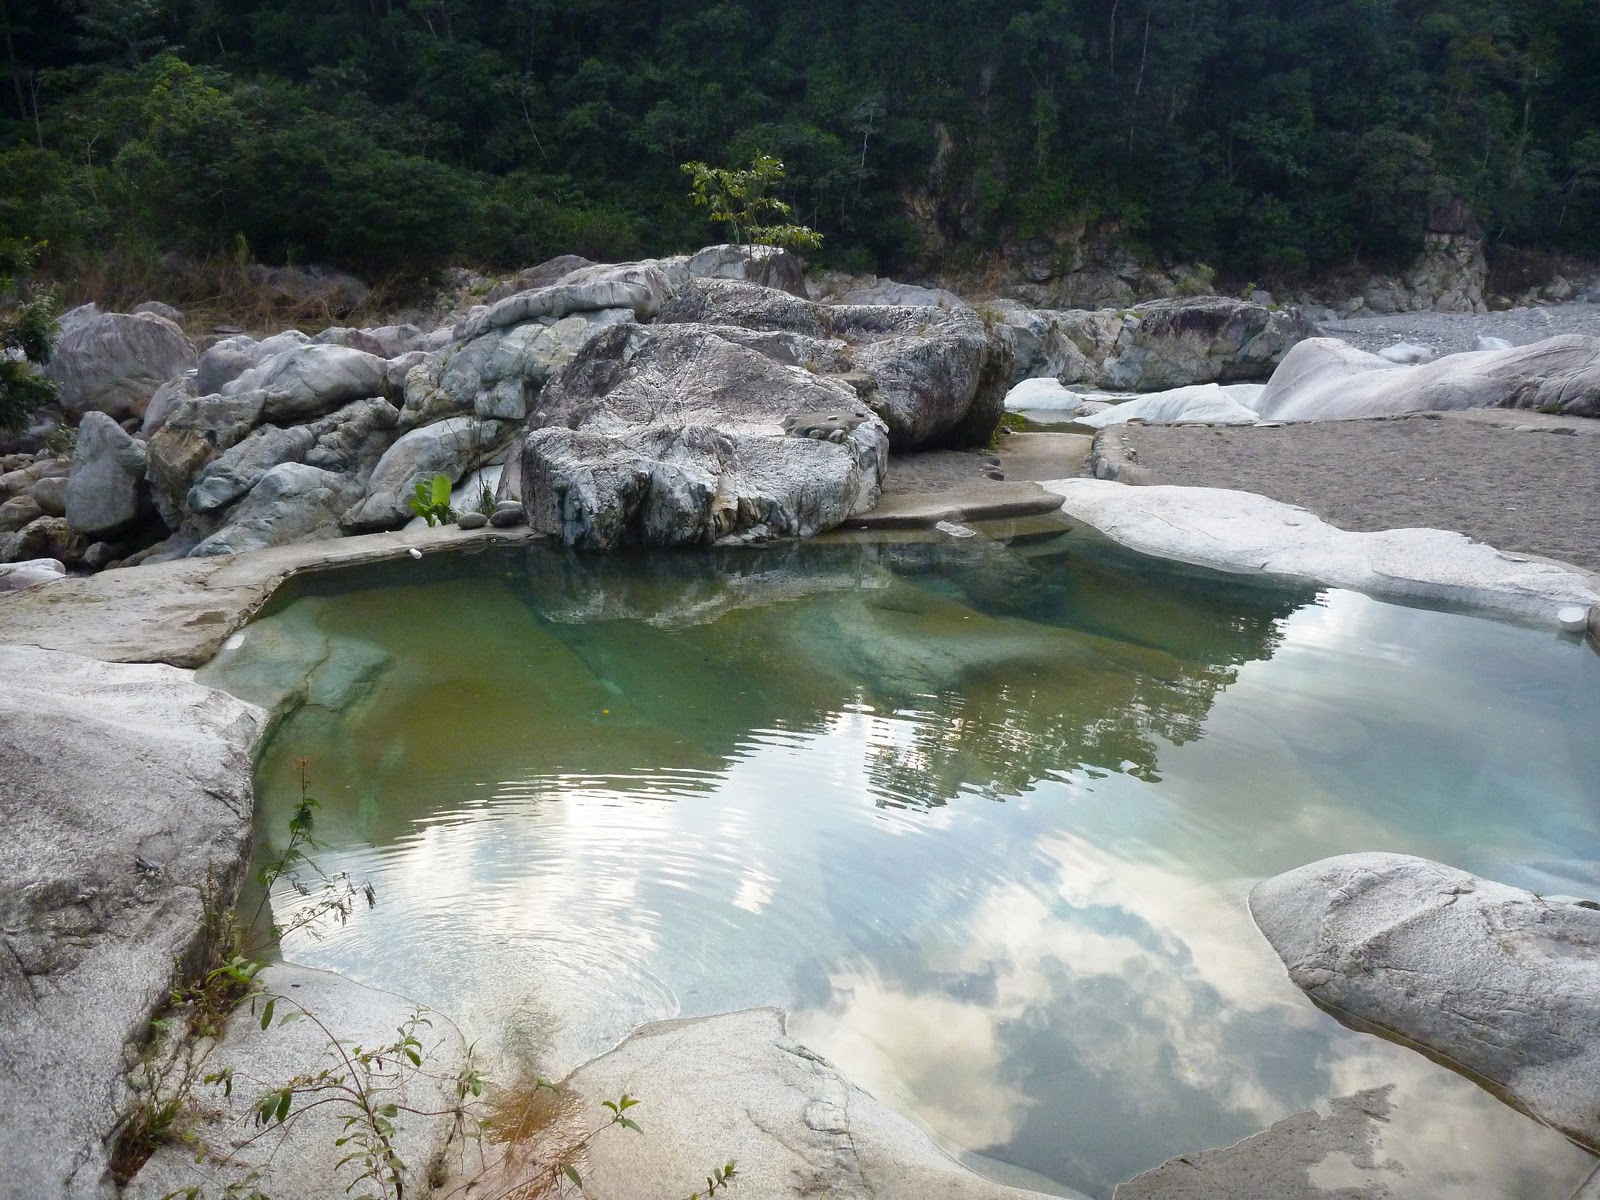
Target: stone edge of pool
(90, 645)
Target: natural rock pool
(981, 818)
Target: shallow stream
(981, 818)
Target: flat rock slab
(1285, 1161)
(125, 797)
(988, 500)
(737, 1087)
(301, 1158)
(1244, 533)
(1504, 477)
(1498, 982)
(181, 612)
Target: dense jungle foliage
(1275, 137)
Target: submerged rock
(1502, 983)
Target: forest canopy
(1277, 138)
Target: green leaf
(441, 491)
(571, 1172)
(266, 1013)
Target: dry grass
(219, 290)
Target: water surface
(981, 818)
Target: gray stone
(291, 503)
(312, 381)
(552, 270)
(228, 359)
(1406, 354)
(673, 435)
(166, 398)
(1499, 982)
(158, 309)
(14, 577)
(795, 1125)
(99, 556)
(352, 440)
(639, 287)
(902, 295)
(197, 431)
(769, 266)
(113, 363)
(449, 447)
(395, 340)
(125, 797)
(303, 1161)
(45, 537)
(506, 518)
(240, 468)
(352, 339)
(472, 520)
(50, 494)
(1285, 1161)
(106, 491)
(1207, 339)
(20, 511)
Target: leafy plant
(27, 336)
(486, 501)
(741, 200)
(431, 500)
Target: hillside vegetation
(1273, 138)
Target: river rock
(1406, 354)
(312, 381)
(768, 266)
(14, 577)
(50, 494)
(1500, 982)
(1325, 379)
(673, 435)
(304, 1160)
(113, 362)
(240, 468)
(157, 308)
(19, 511)
(233, 356)
(795, 1125)
(166, 398)
(638, 287)
(352, 440)
(106, 491)
(125, 797)
(1206, 339)
(197, 431)
(291, 503)
(472, 520)
(449, 447)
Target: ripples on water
(982, 819)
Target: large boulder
(240, 468)
(1206, 339)
(290, 503)
(311, 381)
(230, 358)
(675, 434)
(639, 287)
(768, 266)
(106, 491)
(451, 447)
(932, 375)
(1501, 983)
(352, 440)
(114, 362)
(125, 797)
(1324, 379)
(196, 431)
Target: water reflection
(982, 819)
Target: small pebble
(472, 520)
(995, 474)
(414, 552)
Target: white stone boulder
(1243, 533)
(639, 287)
(1500, 982)
(114, 362)
(292, 502)
(14, 577)
(233, 356)
(125, 795)
(1322, 379)
(1202, 403)
(450, 447)
(1406, 354)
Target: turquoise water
(981, 818)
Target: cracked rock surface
(1501, 983)
(125, 793)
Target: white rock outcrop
(1243, 533)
